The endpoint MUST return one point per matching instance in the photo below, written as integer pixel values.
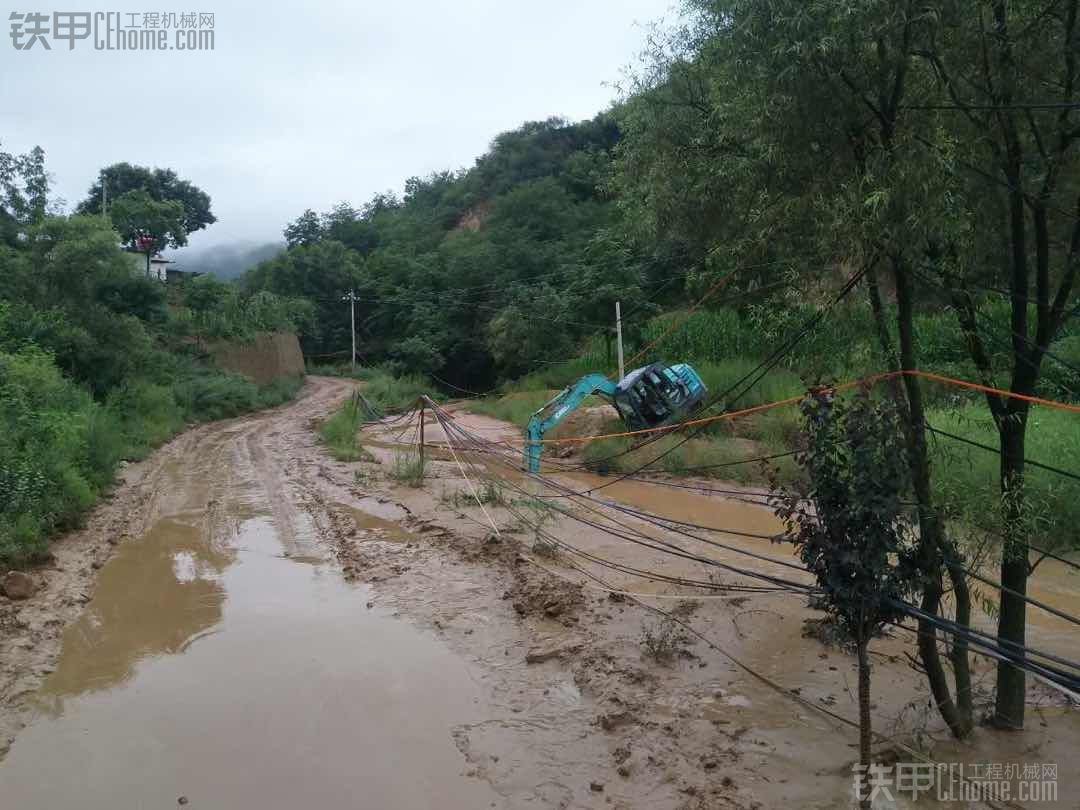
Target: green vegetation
(339, 432)
(384, 390)
(99, 364)
(489, 493)
(409, 469)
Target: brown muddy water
(224, 663)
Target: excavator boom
(650, 396)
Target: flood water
(220, 666)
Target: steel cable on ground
(651, 542)
(668, 524)
(769, 682)
(975, 638)
(747, 494)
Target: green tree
(146, 225)
(848, 524)
(24, 189)
(163, 185)
(305, 230)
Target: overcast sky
(302, 106)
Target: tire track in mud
(31, 631)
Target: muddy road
(248, 623)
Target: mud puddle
(223, 662)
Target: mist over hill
(226, 261)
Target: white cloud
(304, 105)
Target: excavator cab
(647, 397)
(656, 394)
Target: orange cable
(872, 379)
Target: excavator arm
(558, 408)
(656, 394)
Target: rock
(18, 585)
(613, 720)
(596, 787)
(545, 652)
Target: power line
(668, 523)
(997, 451)
(1017, 655)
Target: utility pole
(421, 432)
(105, 196)
(618, 337)
(351, 298)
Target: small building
(161, 269)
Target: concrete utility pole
(618, 337)
(351, 298)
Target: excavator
(647, 397)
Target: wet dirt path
(272, 628)
(223, 660)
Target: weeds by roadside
(408, 469)
(60, 448)
(491, 493)
(339, 433)
(387, 392)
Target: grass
(491, 493)
(389, 393)
(408, 469)
(339, 433)
(966, 477)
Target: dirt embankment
(262, 359)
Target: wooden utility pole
(421, 432)
(351, 298)
(618, 337)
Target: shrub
(662, 639)
(58, 448)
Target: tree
(24, 189)
(796, 139)
(991, 60)
(322, 273)
(305, 230)
(146, 225)
(848, 523)
(163, 185)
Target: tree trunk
(1012, 619)
(933, 545)
(965, 720)
(865, 729)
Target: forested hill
(480, 274)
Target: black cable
(726, 397)
(973, 637)
(997, 451)
(648, 517)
